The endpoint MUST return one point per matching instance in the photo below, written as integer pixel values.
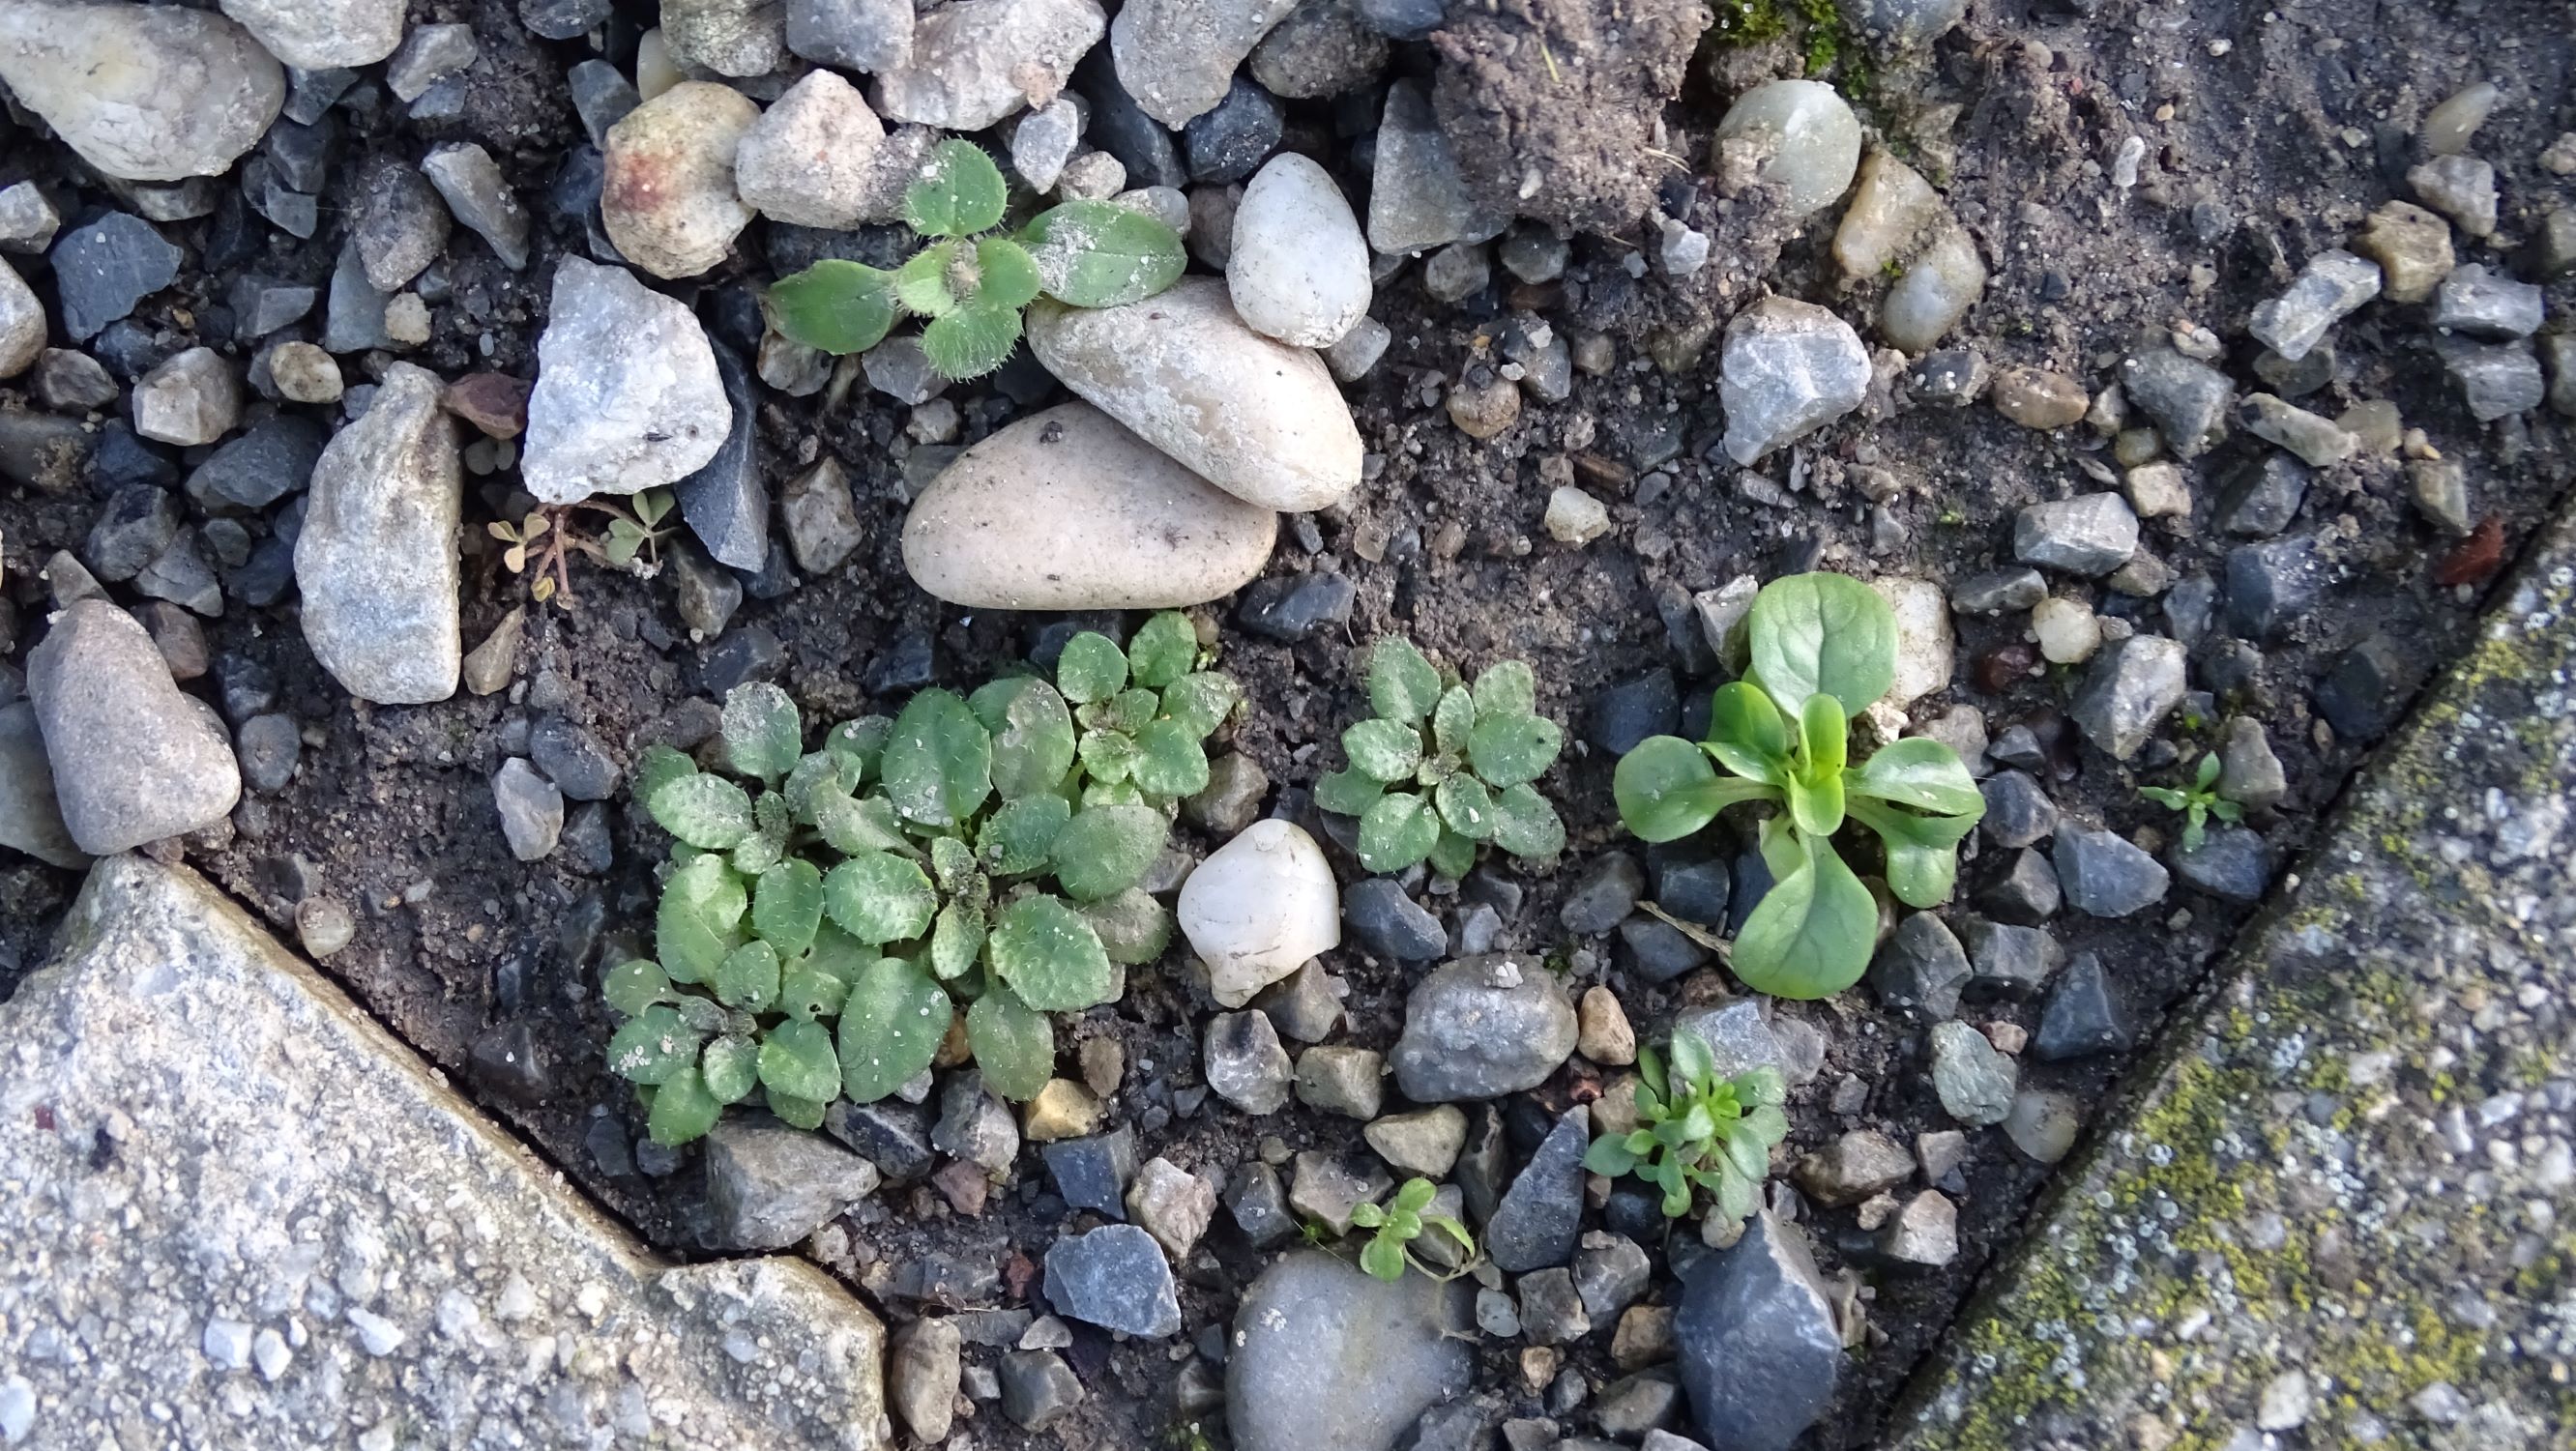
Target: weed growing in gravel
(827, 913)
(1444, 767)
(2198, 801)
(970, 282)
(1399, 1222)
(541, 545)
(1823, 648)
(1698, 1131)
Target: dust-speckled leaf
(1824, 634)
(959, 192)
(1398, 831)
(1019, 837)
(1347, 793)
(747, 979)
(730, 1067)
(816, 776)
(1169, 761)
(682, 1110)
(851, 827)
(631, 987)
(1111, 793)
(1453, 856)
(1383, 750)
(879, 897)
(1133, 927)
(1526, 826)
(973, 339)
(1163, 650)
(835, 305)
(787, 905)
(797, 1059)
(1014, 1044)
(656, 768)
(653, 1046)
(1466, 806)
(1033, 737)
(858, 745)
(1453, 720)
(810, 992)
(1108, 757)
(1091, 668)
(797, 1113)
(1051, 956)
(699, 919)
(891, 1027)
(1199, 702)
(708, 812)
(1104, 850)
(956, 940)
(838, 953)
(1095, 253)
(1402, 685)
(952, 864)
(1507, 688)
(938, 762)
(1508, 750)
(763, 734)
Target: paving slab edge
(2338, 1205)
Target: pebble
(376, 562)
(2328, 289)
(1043, 140)
(1037, 1388)
(2446, 132)
(627, 395)
(304, 373)
(975, 1125)
(1812, 137)
(1486, 409)
(30, 819)
(1424, 1143)
(1602, 1032)
(471, 183)
(1092, 1173)
(1325, 1358)
(2104, 875)
(1176, 57)
(725, 501)
(105, 267)
(2316, 440)
(1258, 908)
(1259, 1205)
(668, 197)
(2476, 303)
(487, 666)
(532, 809)
(1418, 200)
(194, 398)
(22, 324)
(431, 54)
(2083, 1017)
(1322, 49)
(2412, 247)
(2037, 399)
(2043, 1124)
(2186, 399)
(1306, 1005)
(1232, 798)
(2067, 629)
(1853, 1167)
(2459, 187)
(272, 459)
(1790, 368)
(1974, 1082)
(1935, 291)
(821, 517)
(1260, 420)
(267, 746)
(1575, 518)
(1536, 1224)
(354, 311)
(1342, 1080)
(1244, 1063)
(134, 760)
(2090, 534)
(1067, 510)
(1299, 268)
(2130, 689)
(1925, 1232)
(1358, 350)
(1757, 1341)
(28, 220)
(1550, 1311)
(2264, 496)
(1378, 915)
(866, 36)
(2231, 862)
(1920, 969)
(1115, 1277)
(2250, 774)
(739, 38)
(1482, 1027)
(2497, 380)
(69, 382)
(810, 159)
(974, 62)
(923, 1371)
(143, 93)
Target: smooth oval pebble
(135, 758)
(1067, 510)
(1819, 138)
(1255, 417)
(668, 199)
(1258, 907)
(1300, 268)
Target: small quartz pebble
(2330, 288)
(1812, 137)
(2068, 630)
(1575, 517)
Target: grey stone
(1920, 969)
(2459, 187)
(2272, 585)
(1482, 1027)
(572, 758)
(1789, 368)
(134, 760)
(705, 595)
(2105, 875)
(628, 396)
(1758, 1345)
(1038, 1388)
(1325, 1358)
(376, 562)
(1232, 798)
(1092, 1173)
(353, 311)
(2231, 862)
(532, 809)
(770, 1185)
(2018, 811)
(2250, 774)
(72, 382)
(2319, 441)
(1659, 951)
(144, 94)
(565, 20)
(1417, 198)
(2025, 892)
(2128, 691)
(2043, 1124)
(2009, 961)
(1305, 1004)
(1327, 1187)
(2332, 286)
(2364, 690)
(2496, 380)
(1291, 608)
(402, 225)
(28, 221)
(1551, 1313)
(977, 61)
(267, 746)
(821, 517)
(739, 38)
(471, 183)
(1974, 1082)
(1425, 1142)
(1228, 143)
(1114, 1277)
(1321, 49)
(2296, 379)
(193, 398)
(2263, 497)
(922, 1376)
(175, 1016)
(866, 36)
(1244, 1063)
(890, 1133)
(30, 819)
(2185, 398)
(1627, 712)
(1259, 1205)
(725, 502)
(2476, 303)
(2090, 534)
(181, 575)
(262, 305)
(431, 54)
(1175, 57)
(975, 1125)
(2083, 1017)
(1738, 1037)
(131, 530)
(1340, 1079)
(1635, 1404)
(2440, 487)
(1861, 1163)
(1388, 924)
(1456, 272)
(601, 96)
(1925, 1232)
(1611, 1273)
(1604, 896)
(1540, 1215)
(1998, 592)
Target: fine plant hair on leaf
(829, 915)
(1823, 648)
(1443, 769)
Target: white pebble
(1575, 517)
(2067, 629)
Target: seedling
(1444, 768)
(2198, 801)
(542, 544)
(1823, 648)
(827, 914)
(970, 283)
(1698, 1131)
(1401, 1221)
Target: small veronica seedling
(1401, 1221)
(1444, 767)
(1698, 1131)
(2197, 802)
(971, 282)
(1823, 649)
(828, 913)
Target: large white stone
(316, 35)
(977, 61)
(810, 158)
(1938, 288)
(135, 759)
(142, 92)
(1068, 510)
(1257, 418)
(627, 395)
(1299, 270)
(1924, 641)
(1815, 136)
(376, 563)
(1258, 907)
(1788, 369)
(668, 197)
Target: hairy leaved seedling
(1399, 1222)
(2197, 802)
(828, 913)
(1823, 649)
(1444, 767)
(971, 282)
(1696, 1130)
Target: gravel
(134, 760)
(1481, 1027)
(1756, 1339)
(1114, 1277)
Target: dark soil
(2251, 167)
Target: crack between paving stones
(2167, 1040)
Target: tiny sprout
(1398, 1223)
(1697, 1131)
(2197, 802)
